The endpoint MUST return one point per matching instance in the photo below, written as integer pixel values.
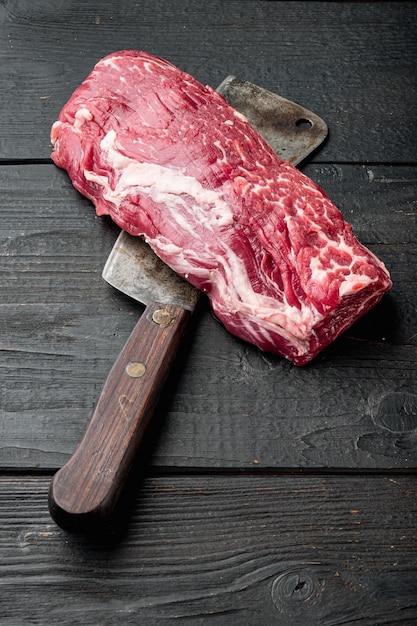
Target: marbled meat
(171, 161)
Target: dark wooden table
(265, 493)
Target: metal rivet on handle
(162, 317)
(135, 369)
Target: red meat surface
(171, 161)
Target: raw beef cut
(169, 160)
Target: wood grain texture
(88, 488)
(204, 544)
(227, 405)
(352, 63)
(221, 550)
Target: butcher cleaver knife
(85, 492)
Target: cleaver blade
(292, 131)
(135, 270)
(85, 492)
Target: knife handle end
(84, 494)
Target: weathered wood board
(223, 550)
(352, 63)
(228, 404)
(267, 494)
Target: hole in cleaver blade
(292, 131)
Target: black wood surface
(274, 494)
(219, 550)
(228, 404)
(352, 63)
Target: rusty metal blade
(292, 131)
(134, 269)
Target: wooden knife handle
(86, 490)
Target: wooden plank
(221, 550)
(227, 404)
(352, 63)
